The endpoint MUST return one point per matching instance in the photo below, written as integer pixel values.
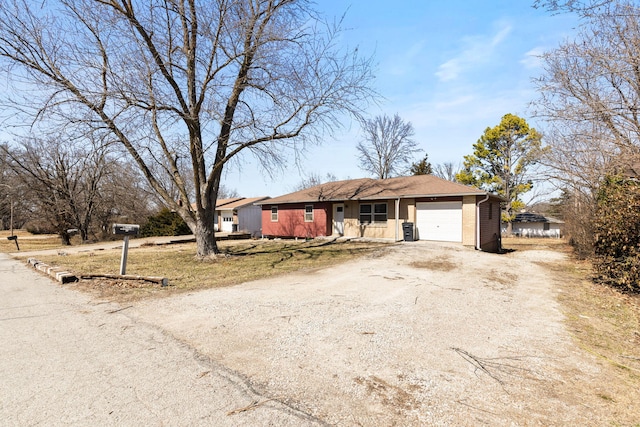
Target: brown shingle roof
(371, 189)
(238, 203)
(222, 202)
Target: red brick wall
(291, 221)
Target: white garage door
(440, 221)
(227, 221)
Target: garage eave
(440, 195)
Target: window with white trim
(308, 213)
(373, 213)
(274, 214)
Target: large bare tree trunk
(205, 240)
(185, 87)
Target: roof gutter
(275, 200)
(397, 216)
(478, 221)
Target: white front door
(227, 221)
(338, 219)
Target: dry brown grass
(239, 262)
(28, 241)
(533, 243)
(606, 324)
(440, 263)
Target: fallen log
(162, 281)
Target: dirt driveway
(416, 334)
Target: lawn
(239, 261)
(28, 241)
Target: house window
(545, 226)
(308, 213)
(373, 213)
(274, 213)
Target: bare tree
(70, 184)
(594, 80)
(584, 7)
(388, 147)
(13, 213)
(314, 179)
(190, 80)
(123, 196)
(589, 95)
(226, 193)
(62, 180)
(447, 170)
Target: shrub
(40, 228)
(578, 210)
(164, 223)
(617, 233)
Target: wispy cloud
(476, 50)
(532, 59)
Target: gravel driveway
(416, 334)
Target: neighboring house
(437, 210)
(239, 214)
(528, 224)
(217, 218)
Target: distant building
(529, 224)
(239, 214)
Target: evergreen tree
(501, 160)
(423, 167)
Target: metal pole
(123, 261)
(11, 220)
(11, 209)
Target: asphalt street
(68, 359)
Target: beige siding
(353, 228)
(489, 227)
(469, 221)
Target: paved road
(66, 359)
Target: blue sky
(451, 68)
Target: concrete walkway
(66, 359)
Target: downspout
(478, 221)
(397, 216)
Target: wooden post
(125, 250)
